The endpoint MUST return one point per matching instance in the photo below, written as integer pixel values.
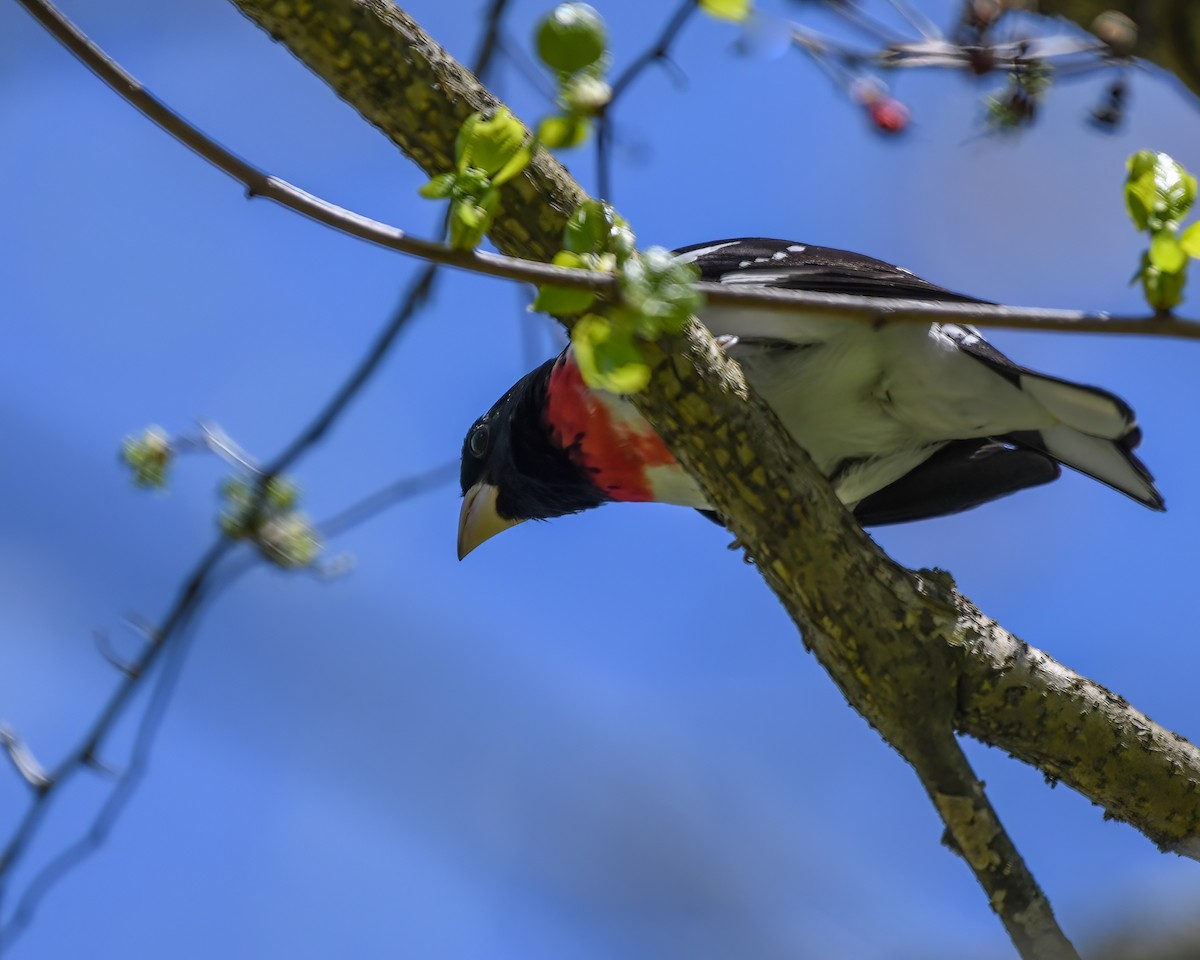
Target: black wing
(961, 475)
(801, 266)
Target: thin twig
(260, 184)
(414, 299)
(916, 19)
(23, 760)
(531, 271)
(657, 52)
(213, 438)
(126, 781)
(187, 599)
(374, 504)
(857, 17)
(201, 584)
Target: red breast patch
(615, 448)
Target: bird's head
(517, 463)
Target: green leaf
(498, 147)
(1190, 240)
(563, 301)
(1158, 191)
(465, 230)
(571, 37)
(735, 10)
(560, 133)
(516, 163)
(1139, 200)
(658, 290)
(1166, 252)
(588, 228)
(608, 357)
(439, 187)
(471, 218)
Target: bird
(906, 421)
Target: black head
(514, 468)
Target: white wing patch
(693, 255)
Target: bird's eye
(479, 440)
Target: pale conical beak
(478, 520)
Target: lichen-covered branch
(1020, 699)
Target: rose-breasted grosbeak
(906, 421)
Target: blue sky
(498, 758)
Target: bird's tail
(1096, 435)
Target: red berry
(888, 114)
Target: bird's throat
(606, 436)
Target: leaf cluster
(270, 519)
(488, 153)
(572, 41)
(148, 455)
(1159, 192)
(655, 297)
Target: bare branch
(402, 490)
(658, 52)
(974, 832)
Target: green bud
(281, 494)
(470, 219)
(1163, 290)
(572, 37)
(586, 94)
(735, 10)
(148, 456)
(498, 148)
(289, 541)
(561, 133)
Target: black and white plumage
(907, 421)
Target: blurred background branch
(1168, 31)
